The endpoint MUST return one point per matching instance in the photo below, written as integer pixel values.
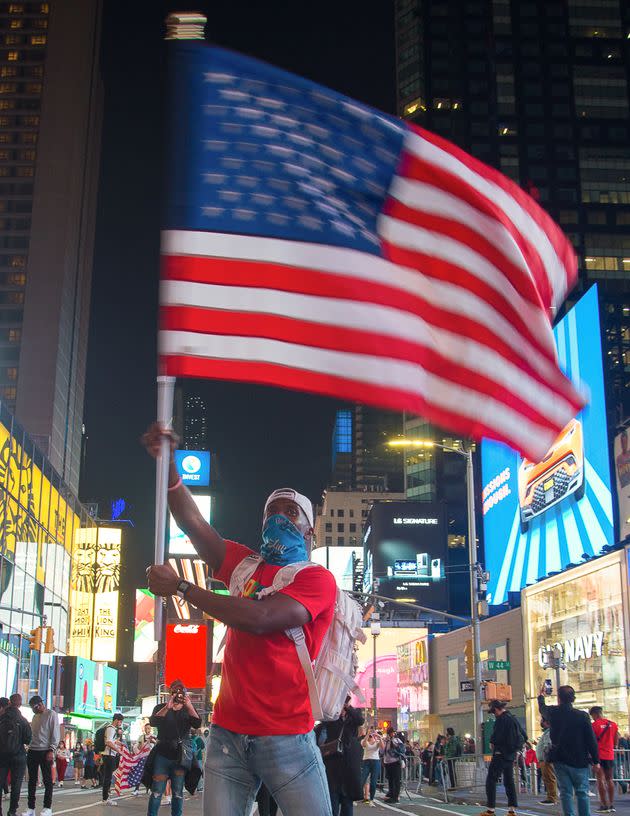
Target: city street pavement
(74, 800)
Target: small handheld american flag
(314, 243)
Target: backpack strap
(296, 634)
(284, 577)
(242, 572)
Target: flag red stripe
(420, 170)
(240, 273)
(563, 248)
(327, 385)
(248, 324)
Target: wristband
(176, 485)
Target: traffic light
(49, 648)
(469, 658)
(35, 640)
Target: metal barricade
(465, 772)
(621, 769)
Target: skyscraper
(50, 117)
(539, 89)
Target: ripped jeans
(168, 769)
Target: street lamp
(473, 566)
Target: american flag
(314, 243)
(130, 768)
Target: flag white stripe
(534, 235)
(378, 371)
(444, 248)
(369, 317)
(361, 266)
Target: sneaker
(371, 803)
(61, 784)
(611, 809)
(547, 802)
(511, 812)
(111, 802)
(602, 809)
(46, 812)
(366, 801)
(29, 812)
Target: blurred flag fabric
(128, 774)
(314, 243)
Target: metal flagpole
(474, 606)
(165, 396)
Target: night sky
(265, 437)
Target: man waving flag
(314, 243)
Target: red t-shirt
(605, 737)
(263, 687)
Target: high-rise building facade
(361, 457)
(50, 117)
(538, 89)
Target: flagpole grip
(165, 398)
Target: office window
(38, 39)
(340, 528)
(351, 513)
(598, 19)
(340, 541)
(15, 335)
(607, 255)
(328, 527)
(596, 217)
(568, 217)
(353, 528)
(341, 512)
(12, 373)
(13, 56)
(623, 219)
(600, 92)
(329, 541)
(605, 175)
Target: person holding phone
(174, 749)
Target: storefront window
(582, 615)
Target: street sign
(466, 685)
(498, 665)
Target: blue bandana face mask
(283, 543)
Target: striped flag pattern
(316, 244)
(130, 768)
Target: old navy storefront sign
(193, 467)
(582, 647)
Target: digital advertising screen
(340, 561)
(540, 516)
(622, 477)
(186, 652)
(193, 467)
(144, 643)
(178, 541)
(405, 548)
(95, 689)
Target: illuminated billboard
(106, 592)
(144, 643)
(193, 467)
(82, 592)
(405, 548)
(622, 477)
(540, 516)
(340, 561)
(178, 541)
(95, 689)
(186, 653)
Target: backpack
(11, 737)
(99, 739)
(331, 679)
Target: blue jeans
(371, 768)
(291, 767)
(572, 780)
(164, 769)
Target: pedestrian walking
(41, 753)
(173, 755)
(392, 760)
(15, 733)
(607, 736)
(436, 761)
(573, 748)
(62, 758)
(452, 750)
(506, 741)
(262, 722)
(90, 778)
(373, 745)
(78, 760)
(110, 755)
(543, 747)
(342, 754)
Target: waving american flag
(314, 243)
(130, 769)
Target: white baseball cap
(294, 496)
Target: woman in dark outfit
(343, 770)
(173, 750)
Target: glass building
(538, 89)
(40, 523)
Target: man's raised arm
(209, 545)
